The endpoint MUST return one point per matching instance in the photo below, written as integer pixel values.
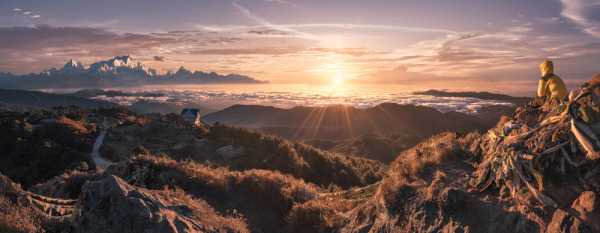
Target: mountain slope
(479, 95)
(38, 99)
(341, 122)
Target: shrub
(312, 216)
(141, 150)
(163, 155)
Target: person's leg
(537, 102)
(550, 105)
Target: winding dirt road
(98, 160)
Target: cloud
(26, 12)
(17, 9)
(522, 28)
(265, 23)
(216, 41)
(399, 75)
(356, 52)
(269, 32)
(36, 48)
(300, 97)
(35, 16)
(282, 2)
(159, 58)
(372, 27)
(43, 37)
(576, 10)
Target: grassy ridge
(298, 159)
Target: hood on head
(546, 67)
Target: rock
(112, 205)
(454, 200)
(562, 222)
(588, 201)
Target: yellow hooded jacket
(551, 83)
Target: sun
(338, 80)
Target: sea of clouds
(219, 99)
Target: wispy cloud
(159, 58)
(291, 29)
(17, 9)
(40, 47)
(371, 26)
(299, 51)
(266, 23)
(269, 32)
(575, 11)
(26, 12)
(283, 2)
(35, 16)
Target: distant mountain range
(340, 122)
(479, 95)
(27, 101)
(117, 72)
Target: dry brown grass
(313, 216)
(436, 186)
(500, 125)
(18, 218)
(273, 189)
(411, 165)
(278, 191)
(434, 150)
(16, 215)
(204, 212)
(391, 191)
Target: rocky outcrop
(563, 222)
(585, 207)
(112, 205)
(587, 202)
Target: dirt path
(98, 160)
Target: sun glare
(337, 80)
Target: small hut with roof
(191, 115)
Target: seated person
(551, 89)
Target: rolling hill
(22, 100)
(342, 122)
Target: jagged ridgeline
(532, 144)
(119, 71)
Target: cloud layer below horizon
(219, 98)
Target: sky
(476, 45)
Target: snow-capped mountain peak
(71, 66)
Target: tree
(175, 119)
(76, 113)
(141, 150)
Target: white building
(191, 114)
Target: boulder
(112, 205)
(585, 207)
(588, 202)
(563, 222)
